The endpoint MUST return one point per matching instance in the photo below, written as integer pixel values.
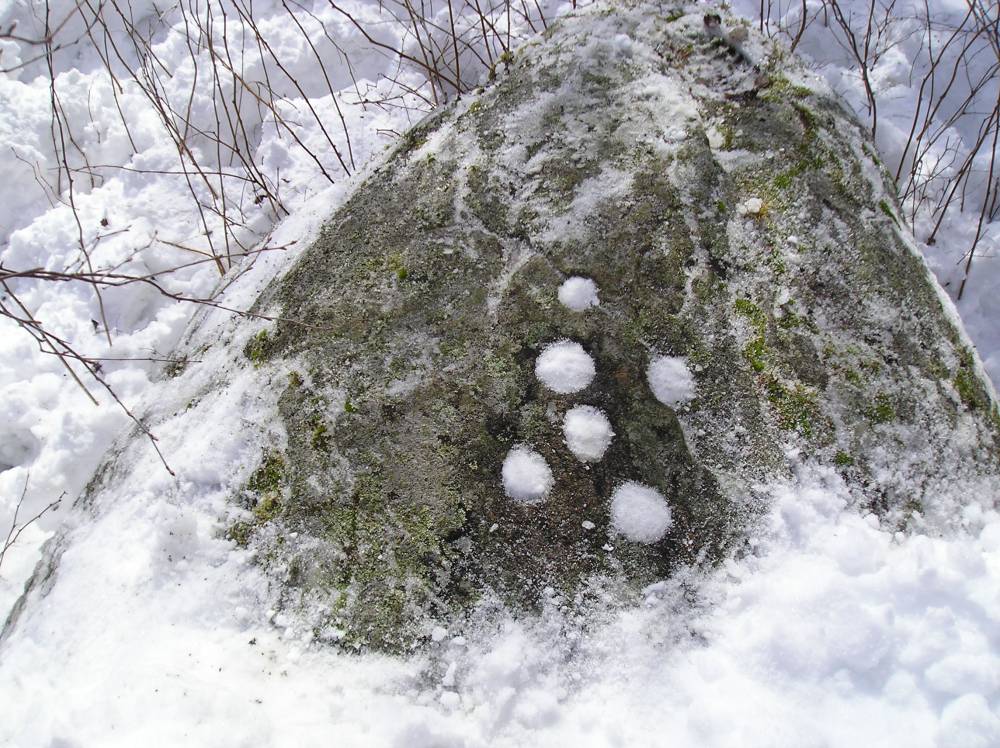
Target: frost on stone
(564, 367)
(578, 293)
(526, 475)
(640, 513)
(670, 380)
(588, 432)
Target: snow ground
(835, 632)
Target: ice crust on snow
(578, 294)
(564, 367)
(526, 475)
(640, 513)
(588, 432)
(670, 380)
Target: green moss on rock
(882, 409)
(267, 478)
(258, 348)
(430, 294)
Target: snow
(588, 196)
(830, 629)
(640, 513)
(751, 207)
(526, 475)
(838, 630)
(588, 432)
(670, 380)
(578, 294)
(564, 367)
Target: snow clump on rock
(670, 380)
(588, 432)
(578, 293)
(526, 475)
(752, 207)
(564, 367)
(640, 513)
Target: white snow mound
(640, 513)
(588, 432)
(564, 367)
(670, 380)
(526, 475)
(578, 293)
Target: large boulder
(760, 304)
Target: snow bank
(137, 216)
(832, 627)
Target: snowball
(588, 432)
(564, 367)
(751, 207)
(715, 138)
(578, 293)
(640, 513)
(670, 380)
(526, 475)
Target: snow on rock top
(640, 513)
(564, 367)
(526, 475)
(670, 380)
(588, 432)
(578, 293)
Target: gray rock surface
(730, 214)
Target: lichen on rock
(617, 149)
